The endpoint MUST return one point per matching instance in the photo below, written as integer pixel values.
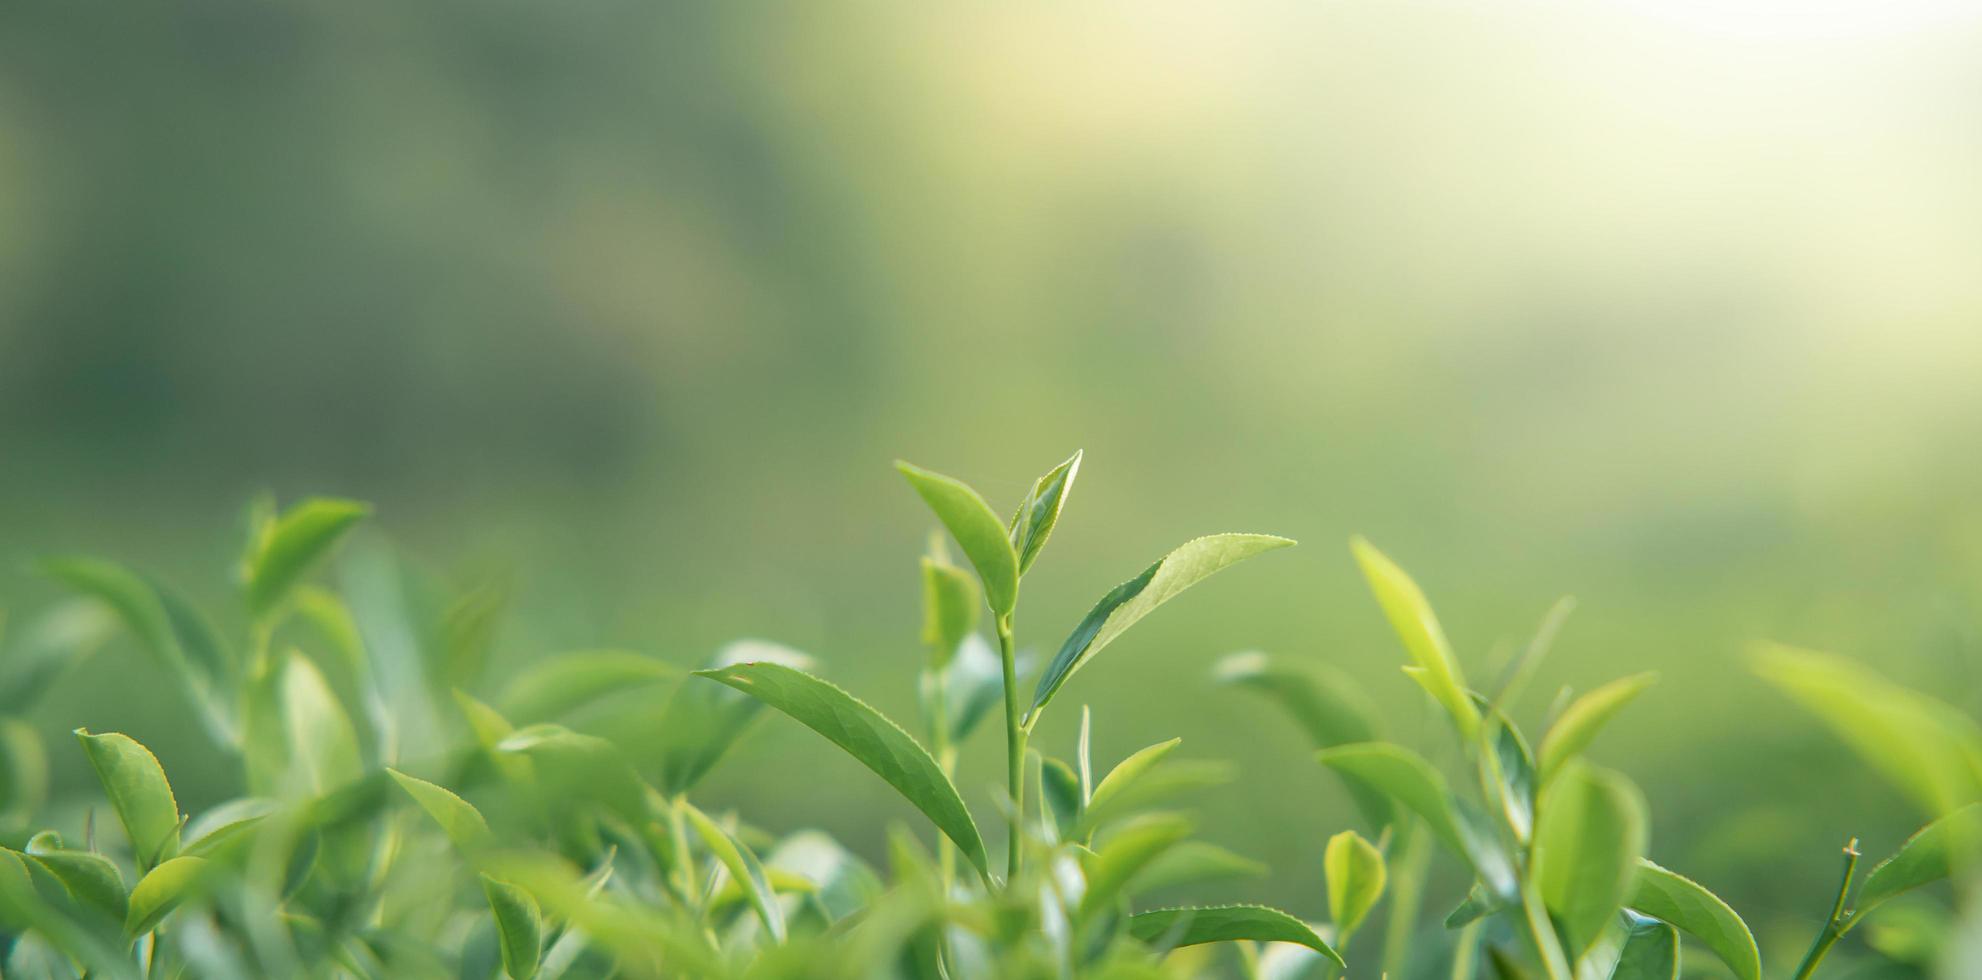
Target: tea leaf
(458, 818)
(977, 529)
(1124, 855)
(868, 736)
(1176, 927)
(702, 721)
(1325, 703)
(1578, 725)
(1039, 512)
(1411, 617)
(1697, 911)
(744, 868)
(91, 878)
(1650, 951)
(1193, 862)
(1404, 776)
(1189, 564)
(57, 641)
(951, 607)
(165, 626)
(973, 683)
(1127, 772)
(1355, 873)
(285, 550)
(163, 889)
(323, 747)
(138, 791)
(551, 687)
(1922, 745)
(1927, 856)
(1588, 840)
(519, 926)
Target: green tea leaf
(285, 550)
(1924, 746)
(163, 889)
(1177, 927)
(1650, 951)
(1194, 862)
(1926, 857)
(868, 736)
(1355, 873)
(323, 747)
(1404, 776)
(977, 529)
(1589, 839)
(1696, 911)
(743, 867)
(1157, 785)
(1411, 617)
(1039, 512)
(1479, 904)
(1189, 564)
(1126, 853)
(702, 721)
(458, 818)
(138, 791)
(973, 684)
(165, 626)
(1127, 772)
(1577, 726)
(519, 927)
(549, 688)
(91, 878)
(951, 607)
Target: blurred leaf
(973, 684)
(1479, 904)
(549, 688)
(1589, 839)
(1514, 680)
(323, 747)
(23, 770)
(977, 530)
(1355, 874)
(1578, 725)
(1926, 857)
(519, 927)
(467, 632)
(458, 818)
(1060, 794)
(1174, 927)
(1650, 952)
(1126, 853)
(951, 607)
(285, 550)
(1924, 746)
(1194, 862)
(58, 640)
(868, 736)
(642, 937)
(1039, 512)
(163, 889)
(575, 769)
(1122, 607)
(349, 670)
(1404, 776)
(1411, 617)
(193, 657)
(1696, 911)
(702, 721)
(1159, 784)
(138, 791)
(743, 867)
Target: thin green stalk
(1840, 920)
(1015, 732)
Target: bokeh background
(1672, 307)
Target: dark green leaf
(1040, 511)
(873, 740)
(1129, 602)
(1172, 928)
(977, 530)
(138, 791)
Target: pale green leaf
(163, 889)
(1410, 615)
(1355, 873)
(868, 736)
(1126, 853)
(1176, 927)
(1126, 772)
(1578, 725)
(458, 818)
(1700, 914)
(951, 606)
(743, 867)
(1039, 512)
(1589, 838)
(138, 791)
(519, 927)
(977, 530)
(285, 550)
(1129, 602)
(549, 688)
(323, 746)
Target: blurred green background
(1671, 307)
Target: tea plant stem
(1015, 733)
(1840, 920)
